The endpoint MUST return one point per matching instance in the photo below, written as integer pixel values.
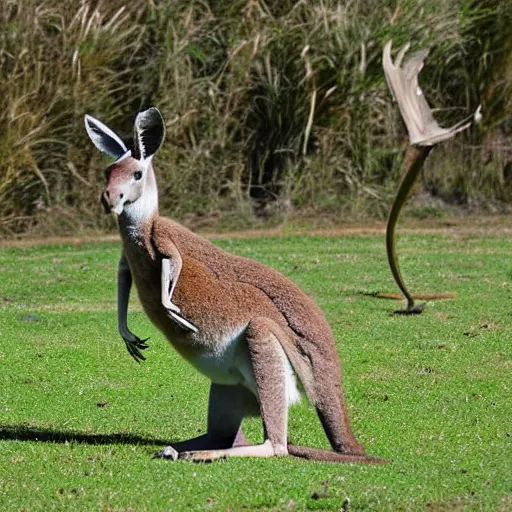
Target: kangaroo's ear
(104, 138)
(149, 133)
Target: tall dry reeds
(269, 105)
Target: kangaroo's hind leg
(272, 376)
(227, 407)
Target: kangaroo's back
(304, 317)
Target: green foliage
(263, 101)
(79, 419)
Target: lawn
(79, 419)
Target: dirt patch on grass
(76, 241)
(498, 225)
(456, 226)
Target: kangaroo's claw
(134, 348)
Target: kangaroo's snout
(112, 202)
(116, 197)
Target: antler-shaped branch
(416, 113)
(424, 133)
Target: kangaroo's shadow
(26, 433)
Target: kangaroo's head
(131, 185)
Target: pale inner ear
(104, 138)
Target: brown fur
(251, 289)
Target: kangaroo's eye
(137, 175)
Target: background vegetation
(270, 106)
(79, 419)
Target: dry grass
(269, 106)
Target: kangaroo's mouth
(109, 207)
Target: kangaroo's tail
(305, 452)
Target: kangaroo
(250, 330)
(424, 133)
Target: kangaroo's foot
(257, 450)
(202, 445)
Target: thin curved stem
(414, 159)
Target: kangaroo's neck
(137, 218)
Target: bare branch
(416, 113)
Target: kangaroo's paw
(134, 345)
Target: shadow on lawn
(26, 433)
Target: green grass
(79, 419)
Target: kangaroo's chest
(145, 267)
(215, 348)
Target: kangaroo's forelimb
(133, 343)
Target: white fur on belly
(230, 365)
